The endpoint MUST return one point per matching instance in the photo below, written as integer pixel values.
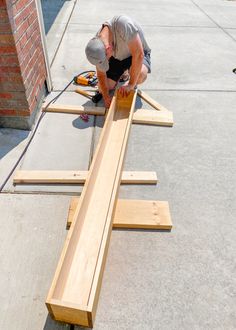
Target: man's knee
(143, 74)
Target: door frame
(44, 44)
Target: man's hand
(107, 101)
(125, 90)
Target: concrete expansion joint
(66, 27)
(213, 21)
(190, 90)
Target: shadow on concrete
(10, 138)
(80, 124)
(138, 103)
(97, 121)
(50, 11)
(50, 324)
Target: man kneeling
(117, 47)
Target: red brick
(4, 15)
(25, 70)
(6, 39)
(30, 80)
(22, 68)
(5, 96)
(21, 30)
(9, 69)
(35, 38)
(32, 27)
(7, 50)
(7, 79)
(36, 86)
(33, 53)
(24, 113)
(21, 56)
(10, 103)
(13, 97)
(14, 10)
(5, 27)
(16, 78)
(18, 95)
(33, 92)
(20, 4)
(27, 46)
(9, 60)
(23, 40)
(2, 4)
(23, 53)
(8, 112)
(32, 17)
(12, 87)
(21, 17)
(24, 14)
(24, 61)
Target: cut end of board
(69, 313)
(124, 102)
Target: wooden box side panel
(69, 313)
(97, 282)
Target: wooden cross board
(134, 214)
(78, 177)
(162, 117)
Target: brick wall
(22, 65)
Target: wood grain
(78, 177)
(133, 214)
(79, 273)
(75, 109)
(151, 117)
(151, 101)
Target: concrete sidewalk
(184, 279)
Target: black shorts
(117, 67)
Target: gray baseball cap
(96, 54)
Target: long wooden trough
(74, 292)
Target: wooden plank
(141, 116)
(132, 214)
(150, 117)
(79, 177)
(79, 272)
(30, 177)
(143, 214)
(75, 109)
(139, 177)
(151, 101)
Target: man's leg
(146, 67)
(111, 84)
(143, 74)
(116, 70)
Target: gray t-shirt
(123, 30)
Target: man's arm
(103, 87)
(137, 53)
(136, 50)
